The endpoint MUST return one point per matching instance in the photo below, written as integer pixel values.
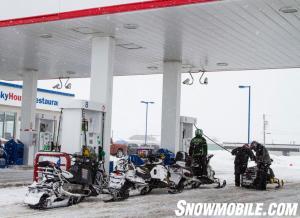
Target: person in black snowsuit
(242, 155)
(263, 161)
(198, 152)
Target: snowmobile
(59, 188)
(138, 177)
(209, 178)
(191, 176)
(171, 177)
(250, 178)
(142, 179)
(119, 184)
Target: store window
(7, 124)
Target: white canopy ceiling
(217, 36)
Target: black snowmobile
(193, 179)
(59, 188)
(258, 177)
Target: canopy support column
(102, 84)
(28, 108)
(170, 124)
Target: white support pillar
(170, 124)
(29, 92)
(102, 83)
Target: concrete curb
(15, 184)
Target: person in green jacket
(198, 151)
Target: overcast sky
(220, 107)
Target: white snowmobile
(142, 179)
(191, 176)
(118, 185)
(59, 188)
(157, 175)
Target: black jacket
(242, 155)
(262, 154)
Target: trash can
(14, 150)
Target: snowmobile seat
(181, 164)
(143, 172)
(181, 156)
(153, 159)
(46, 164)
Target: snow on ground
(161, 204)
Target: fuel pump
(45, 126)
(82, 127)
(186, 132)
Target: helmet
(246, 146)
(199, 132)
(86, 152)
(253, 144)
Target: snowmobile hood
(67, 174)
(33, 185)
(33, 197)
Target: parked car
(118, 149)
(132, 148)
(154, 146)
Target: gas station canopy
(205, 35)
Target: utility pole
(264, 128)
(249, 109)
(147, 104)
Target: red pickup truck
(118, 148)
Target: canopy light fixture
(130, 46)
(288, 10)
(30, 69)
(86, 30)
(222, 64)
(152, 67)
(46, 36)
(185, 66)
(189, 81)
(131, 26)
(59, 85)
(70, 72)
